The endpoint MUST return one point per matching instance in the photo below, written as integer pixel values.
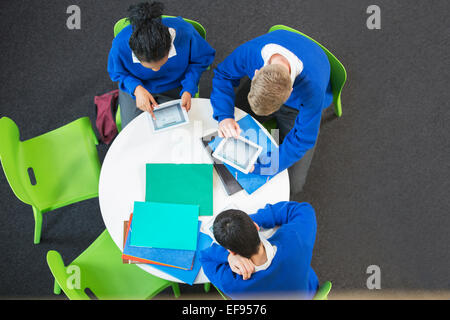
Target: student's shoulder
(180, 25)
(122, 38)
(288, 241)
(125, 33)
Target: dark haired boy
(244, 265)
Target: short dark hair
(234, 230)
(150, 40)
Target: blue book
(174, 258)
(188, 276)
(250, 182)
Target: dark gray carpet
(380, 175)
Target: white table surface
(122, 177)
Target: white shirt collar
(172, 51)
(270, 253)
(296, 64)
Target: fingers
(236, 270)
(244, 267)
(237, 129)
(231, 131)
(152, 104)
(150, 110)
(219, 131)
(227, 132)
(153, 101)
(248, 269)
(186, 101)
(229, 128)
(188, 105)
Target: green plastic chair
(207, 288)
(338, 73)
(323, 291)
(321, 294)
(101, 270)
(122, 23)
(52, 170)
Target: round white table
(122, 177)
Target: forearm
(118, 73)
(282, 213)
(222, 99)
(129, 85)
(299, 140)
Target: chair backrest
(338, 72)
(15, 169)
(100, 261)
(30, 167)
(103, 273)
(122, 23)
(323, 291)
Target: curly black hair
(150, 40)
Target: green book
(165, 226)
(181, 184)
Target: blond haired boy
(289, 80)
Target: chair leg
(207, 286)
(56, 288)
(338, 108)
(95, 139)
(37, 225)
(220, 292)
(176, 289)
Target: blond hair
(271, 87)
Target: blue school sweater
(193, 56)
(311, 90)
(290, 274)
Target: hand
(186, 100)
(229, 128)
(144, 100)
(252, 169)
(241, 265)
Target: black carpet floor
(380, 175)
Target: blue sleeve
(300, 139)
(227, 75)
(201, 56)
(118, 72)
(215, 265)
(300, 216)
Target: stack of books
(164, 231)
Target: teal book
(164, 225)
(182, 259)
(181, 184)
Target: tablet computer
(239, 153)
(229, 182)
(168, 115)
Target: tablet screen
(168, 116)
(238, 152)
